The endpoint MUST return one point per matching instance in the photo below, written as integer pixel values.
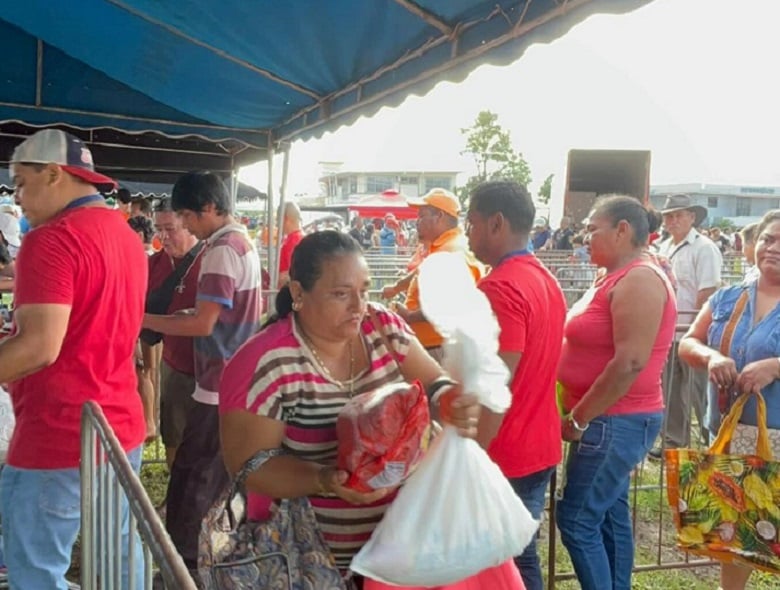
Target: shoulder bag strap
(168, 285)
(726, 398)
(731, 325)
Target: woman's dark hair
(510, 199)
(143, 226)
(306, 265)
(195, 190)
(769, 217)
(619, 208)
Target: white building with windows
(350, 187)
(739, 204)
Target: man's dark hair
(164, 205)
(123, 196)
(195, 190)
(510, 199)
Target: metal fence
(108, 481)
(649, 506)
(648, 487)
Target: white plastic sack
(7, 423)
(457, 514)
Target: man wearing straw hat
(696, 263)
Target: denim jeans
(41, 512)
(593, 515)
(530, 489)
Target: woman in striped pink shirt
(285, 387)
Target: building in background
(740, 205)
(349, 187)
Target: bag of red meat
(383, 435)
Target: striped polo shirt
(230, 276)
(276, 375)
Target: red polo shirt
(178, 351)
(531, 310)
(291, 240)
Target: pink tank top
(588, 347)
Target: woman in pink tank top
(616, 341)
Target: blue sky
(692, 80)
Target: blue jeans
(41, 512)
(593, 515)
(530, 489)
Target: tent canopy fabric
(389, 201)
(239, 76)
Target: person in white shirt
(696, 263)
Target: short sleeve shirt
(288, 247)
(696, 262)
(177, 350)
(530, 308)
(275, 375)
(749, 343)
(89, 259)
(229, 276)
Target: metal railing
(109, 486)
(647, 481)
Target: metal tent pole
(233, 186)
(273, 269)
(282, 201)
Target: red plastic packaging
(383, 435)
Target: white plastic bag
(457, 514)
(7, 423)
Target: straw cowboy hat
(683, 203)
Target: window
(712, 202)
(743, 207)
(409, 180)
(352, 185)
(377, 184)
(432, 182)
(774, 203)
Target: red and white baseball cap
(52, 146)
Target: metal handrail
(104, 464)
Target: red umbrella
(389, 201)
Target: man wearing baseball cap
(70, 345)
(438, 229)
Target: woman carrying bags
(736, 337)
(285, 388)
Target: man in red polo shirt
(293, 234)
(529, 305)
(177, 370)
(79, 301)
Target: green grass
(650, 506)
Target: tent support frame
(520, 28)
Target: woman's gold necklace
(321, 363)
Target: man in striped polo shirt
(227, 312)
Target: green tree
(545, 191)
(490, 146)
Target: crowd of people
(107, 304)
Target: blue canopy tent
(157, 87)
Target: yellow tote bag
(727, 507)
